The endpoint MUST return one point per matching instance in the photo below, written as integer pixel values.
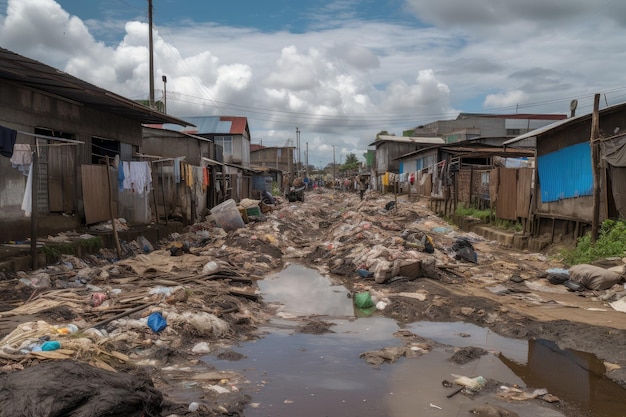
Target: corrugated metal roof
(201, 125)
(532, 135)
(434, 140)
(38, 76)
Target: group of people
(358, 183)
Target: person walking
(362, 186)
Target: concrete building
(474, 125)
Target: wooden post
(117, 240)
(154, 197)
(165, 211)
(34, 184)
(471, 187)
(595, 166)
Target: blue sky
(341, 71)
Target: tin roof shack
(67, 128)
(233, 177)
(388, 149)
(471, 173)
(277, 157)
(171, 154)
(563, 203)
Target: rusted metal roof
(38, 76)
(205, 125)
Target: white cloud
(346, 80)
(509, 98)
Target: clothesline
(37, 136)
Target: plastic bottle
(67, 329)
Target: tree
(351, 164)
(383, 133)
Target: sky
(336, 71)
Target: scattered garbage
(156, 322)
(145, 244)
(463, 249)
(227, 216)
(473, 384)
(67, 329)
(363, 300)
(50, 345)
(97, 299)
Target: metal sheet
(566, 173)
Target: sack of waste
(594, 277)
(463, 249)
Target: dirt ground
(204, 282)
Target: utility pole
(298, 160)
(164, 78)
(593, 142)
(306, 159)
(334, 166)
(151, 53)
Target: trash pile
(168, 302)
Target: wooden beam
(593, 142)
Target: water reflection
(577, 376)
(303, 291)
(323, 375)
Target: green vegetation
(464, 211)
(486, 216)
(511, 225)
(611, 242)
(77, 247)
(352, 163)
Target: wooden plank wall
(506, 204)
(524, 185)
(95, 195)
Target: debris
(464, 250)
(363, 300)
(473, 384)
(156, 322)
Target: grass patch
(54, 251)
(464, 211)
(509, 225)
(611, 242)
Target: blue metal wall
(566, 173)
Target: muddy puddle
(312, 375)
